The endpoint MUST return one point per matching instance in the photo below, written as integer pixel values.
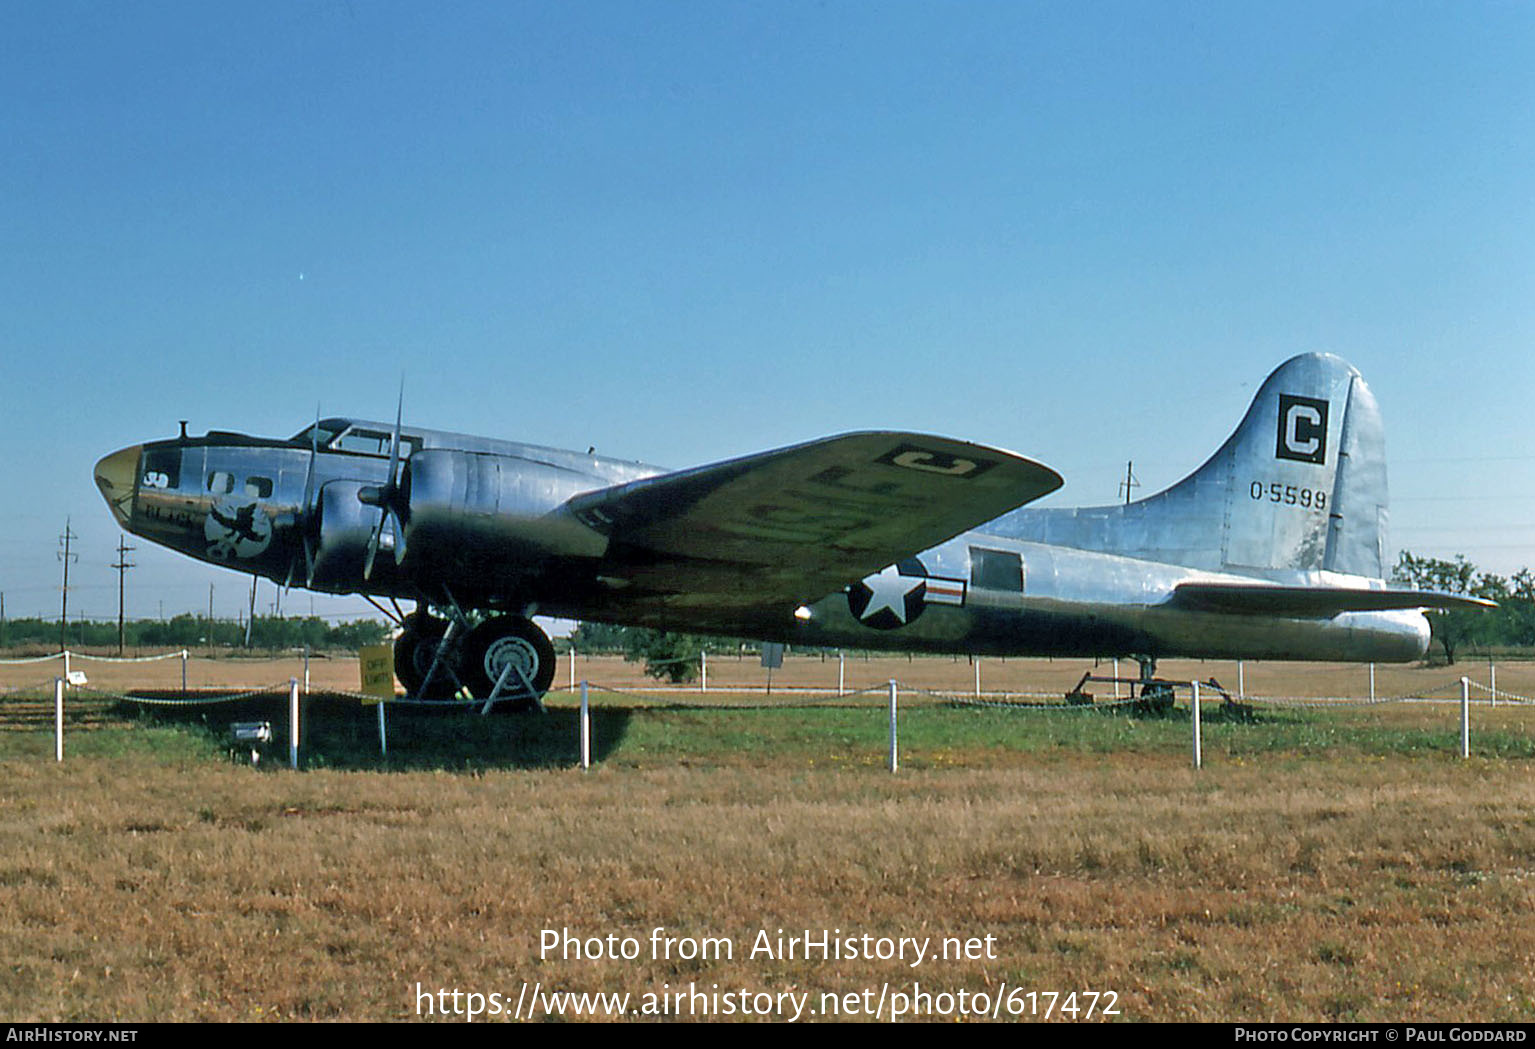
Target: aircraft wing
(798, 523)
(1312, 602)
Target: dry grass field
(818, 674)
(1334, 864)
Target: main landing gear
(505, 658)
(1156, 696)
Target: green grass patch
(669, 730)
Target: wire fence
(815, 678)
(198, 700)
(682, 698)
(24, 704)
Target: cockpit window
(338, 435)
(221, 482)
(374, 442)
(259, 487)
(365, 442)
(324, 433)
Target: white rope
(128, 659)
(797, 700)
(280, 688)
(1502, 694)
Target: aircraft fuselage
(491, 535)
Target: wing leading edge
(800, 522)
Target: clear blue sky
(683, 231)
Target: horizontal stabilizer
(1312, 601)
(802, 521)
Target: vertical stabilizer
(1299, 487)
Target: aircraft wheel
(425, 624)
(508, 642)
(413, 654)
(1156, 699)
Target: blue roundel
(889, 599)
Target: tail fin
(1300, 487)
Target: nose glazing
(115, 476)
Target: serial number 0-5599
(1289, 495)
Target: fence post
(1198, 749)
(183, 673)
(383, 738)
(1492, 680)
(1465, 717)
(293, 723)
(977, 677)
(703, 671)
(586, 728)
(58, 719)
(841, 671)
(894, 764)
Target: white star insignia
(888, 589)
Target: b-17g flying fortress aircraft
(1273, 549)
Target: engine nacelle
(340, 538)
(497, 513)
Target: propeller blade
(367, 565)
(388, 498)
(394, 440)
(309, 513)
(398, 532)
(314, 453)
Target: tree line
(667, 656)
(190, 631)
(1510, 625)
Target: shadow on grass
(341, 733)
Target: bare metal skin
(1274, 549)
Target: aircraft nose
(115, 475)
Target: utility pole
(210, 615)
(65, 556)
(1129, 482)
(122, 566)
(250, 624)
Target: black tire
(508, 639)
(1156, 698)
(424, 624)
(413, 655)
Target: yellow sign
(377, 665)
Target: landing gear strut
(506, 658)
(415, 651)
